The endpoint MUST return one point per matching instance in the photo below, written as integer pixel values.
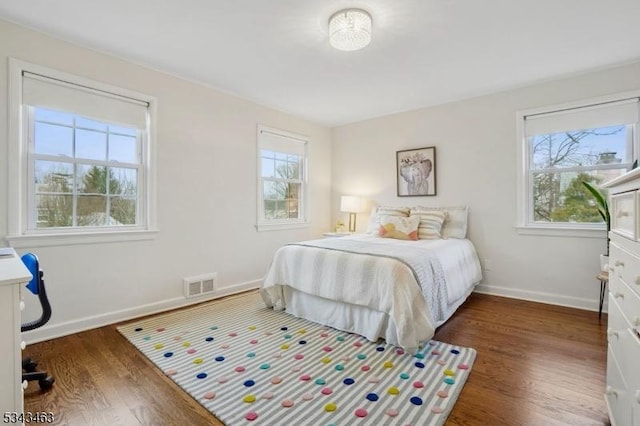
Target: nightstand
(335, 234)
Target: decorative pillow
(455, 224)
(400, 228)
(430, 222)
(379, 211)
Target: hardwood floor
(537, 365)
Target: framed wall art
(416, 172)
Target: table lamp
(352, 205)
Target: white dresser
(13, 275)
(623, 357)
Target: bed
(395, 289)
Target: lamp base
(352, 222)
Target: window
(282, 159)
(565, 146)
(85, 173)
(82, 158)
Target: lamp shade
(350, 204)
(350, 29)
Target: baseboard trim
(88, 323)
(542, 297)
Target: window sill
(62, 239)
(561, 231)
(281, 226)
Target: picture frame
(416, 172)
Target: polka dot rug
(250, 365)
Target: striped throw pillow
(430, 223)
(455, 225)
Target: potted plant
(603, 209)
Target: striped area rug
(250, 365)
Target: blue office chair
(36, 286)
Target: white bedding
(401, 292)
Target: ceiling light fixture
(350, 29)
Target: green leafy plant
(603, 206)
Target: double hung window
(564, 147)
(82, 156)
(282, 163)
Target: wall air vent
(200, 285)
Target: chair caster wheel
(46, 383)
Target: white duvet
(418, 284)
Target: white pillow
(379, 211)
(455, 224)
(431, 221)
(400, 228)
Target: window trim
(283, 224)
(523, 226)
(18, 234)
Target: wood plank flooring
(537, 365)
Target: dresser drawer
(631, 343)
(626, 266)
(616, 394)
(624, 214)
(627, 299)
(630, 362)
(624, 343)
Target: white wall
(476, 146)
(206, 197)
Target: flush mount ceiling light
(350, 29)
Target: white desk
(13, 275)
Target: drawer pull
(22, 303)
(637, 281)
(611, 391)
(25, 384)
(612, 333)
(23, 345)
(619, 263)
(623, 213)
(618, 295)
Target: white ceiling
(276, 52)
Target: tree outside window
(561, 161)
